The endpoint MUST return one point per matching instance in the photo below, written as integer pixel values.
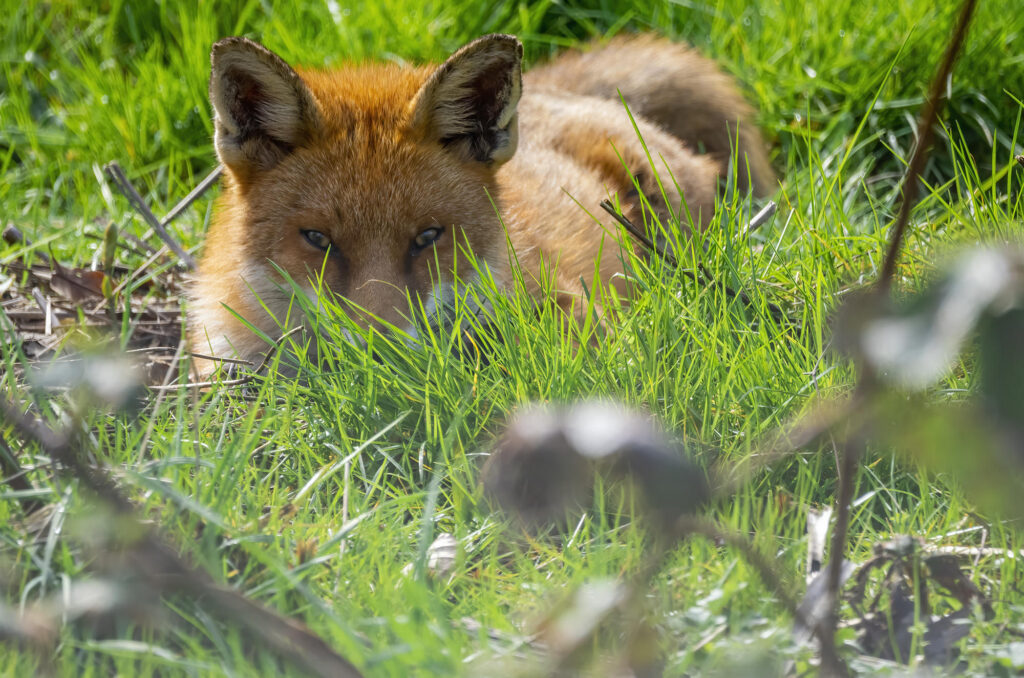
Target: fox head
(374, 177)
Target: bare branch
(925, 129)
(202, 187)
(762, 217)
(122, 183)
(167, 573)
(708, 278)
(851, 448)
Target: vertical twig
(849, 458)
(925, 129)
(853, 445)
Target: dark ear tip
(507, 38)
(233, 43)
(502, 41)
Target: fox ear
(469, 103)
(262, 108)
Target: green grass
(837, 86)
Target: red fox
(377, 174)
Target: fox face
(370, 183)
(363, 182)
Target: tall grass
(313, 494)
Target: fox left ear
(469, 103)
(263, 109)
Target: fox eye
(317, 239)
(426, 238)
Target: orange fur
(374, 156)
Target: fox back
(370, 182)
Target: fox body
(377, 176)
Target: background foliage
(248, 481)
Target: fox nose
(379, 302)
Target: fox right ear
(262, 108)
(469, 103)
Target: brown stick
(783, 441)
(765, 568)
(168, 573)
(15, 476)
(852, 448)
(193, 195)
(925, 129)
(12, 235)
(771, 578)
(122, 183)
(708, 279)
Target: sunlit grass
(376, 447)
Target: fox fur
(379, 175)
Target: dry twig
(925, 128)
(164, 571)
(120, 179)
(852, 448)
(777, 313)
